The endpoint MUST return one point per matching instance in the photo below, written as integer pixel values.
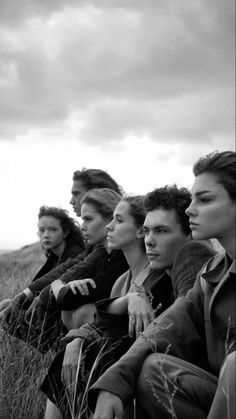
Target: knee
(229, 365)
(151, 366)
(66, 317)
(76, 318)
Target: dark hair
(68, 224)
(136, 208)
(96, 179)
(223, 165)
(104, 200)
(170, 197)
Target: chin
(154, 265)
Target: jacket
(71, 251)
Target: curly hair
(68, 224)
(104, 200)
(171, 197)
(223, 166)
(96, 179)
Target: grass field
(21, 367)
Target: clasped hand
(81, 285)
(140, 313)
(72, 362)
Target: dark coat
(71, 251)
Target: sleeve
(188, 262)
(54, 274)
(178, 331)
(116, 266)
(86, 268)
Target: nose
(45, 233)
(109, 226)
(149, 240)
(83, 227)
(72, 200)
(190, 210)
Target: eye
(87, 219)
(119, 220)
(146, 231)
(205, 200)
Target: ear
(140, 233)
(66, 233)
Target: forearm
(40, 283)
(56, 287)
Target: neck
(136, 258)
(59, 249)
(228, 243)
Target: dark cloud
(163, 69)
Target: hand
(140, 313)
(81, 285)
(109, 406)
(71, 335)
(71, 363)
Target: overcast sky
(138, 88)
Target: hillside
(18, 267)
(21, 366)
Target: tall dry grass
(21, 367)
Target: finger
(73, 288)
(131, 325)
(138, 325)
(80, 289)
(85, 289)
(92, 283)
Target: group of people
(137, 304)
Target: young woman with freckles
(60, 238)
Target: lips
(192, 224)
(152, 255)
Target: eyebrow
(156, 226)
(202, 193)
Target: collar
(221, 264)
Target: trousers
(171, 388)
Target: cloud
(111, 69)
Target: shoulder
(71, 251)
(190, 259)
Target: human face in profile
(163, 238)
(52, 237)
(93, 225)
(77, 193)
(212, 211)
(122, 230)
